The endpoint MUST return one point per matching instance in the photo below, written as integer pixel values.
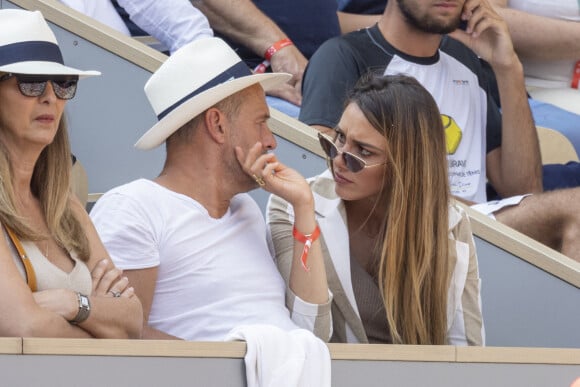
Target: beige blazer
(342, 322)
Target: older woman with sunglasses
(56, 278)
(399, 254)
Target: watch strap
(84, 309)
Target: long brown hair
(413, 268)
(50, 183)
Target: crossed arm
(540, 37)
(47, 313)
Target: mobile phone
(462, 25)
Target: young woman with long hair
(399, 253)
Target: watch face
(84, 309)
(85, 302)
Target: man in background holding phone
(420, 38)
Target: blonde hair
(413, 268)
(50, 184)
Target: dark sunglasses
(64, 87)
(353, 163)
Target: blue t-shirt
(369, 7)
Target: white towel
(489, 208)
(277, 358)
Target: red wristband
(280, 44)
(576, 76)
(261, 68)
(307, 239)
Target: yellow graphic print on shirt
(452, 133)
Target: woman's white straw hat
(28, 46)
(193, 79)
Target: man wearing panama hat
(192, 241)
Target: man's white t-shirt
(454, 86)
(213, 274)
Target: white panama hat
(193, 79)
(28, 46)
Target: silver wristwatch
(84, 309)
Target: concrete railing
(86, 362)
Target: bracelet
(307, 239)
(274, 48)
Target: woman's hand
(108, 281)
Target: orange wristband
(307, 239)
(280, 44)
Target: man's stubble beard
(426, 23)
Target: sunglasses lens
(31, 89)
(352, 163)
(65, 89)
(34, 87)
(327, 146)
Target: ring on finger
(115, 294)
(259, 180)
